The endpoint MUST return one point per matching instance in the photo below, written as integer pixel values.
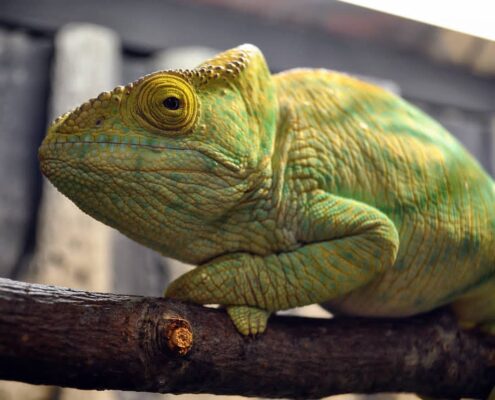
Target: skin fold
(308, 186)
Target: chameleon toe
(248, 320)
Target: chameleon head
(171, 153)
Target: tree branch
(51, 335)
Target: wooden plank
(72, 248)
(24, 71)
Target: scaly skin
(304, 187)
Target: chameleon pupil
(172, 103)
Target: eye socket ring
(164, 103)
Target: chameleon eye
(164, 103)
(172, 103)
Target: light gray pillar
(73, 249)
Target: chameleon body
(307, 186)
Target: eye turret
(164, 103)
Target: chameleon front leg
(233, 281)
(344, 244)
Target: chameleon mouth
(103, 144)
(59, 153)
(57, 146)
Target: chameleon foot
(248, 320)
(489, 328)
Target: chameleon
(306, 186)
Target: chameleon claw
(248, 320)
(491, 396)
(489, 328)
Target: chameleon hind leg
(345, 243)
(477, 309)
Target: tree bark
(57, 336)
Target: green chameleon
(303, 187)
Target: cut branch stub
(178, 334)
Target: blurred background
(54, 54)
